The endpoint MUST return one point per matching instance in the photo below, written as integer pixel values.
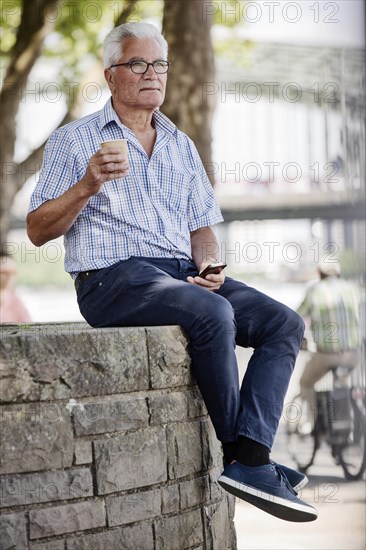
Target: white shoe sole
(274, 505)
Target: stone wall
(106, 443)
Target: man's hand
(211, 282)
(107, 164)
(304, 344)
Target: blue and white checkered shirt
(150, 212)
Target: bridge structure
(322, 205)
(329, 86)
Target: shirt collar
(108, 114)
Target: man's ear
(109, 76)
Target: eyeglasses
(141, 67)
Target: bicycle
(339, 419)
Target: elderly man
(138, 234)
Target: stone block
(98, 361)
(22, 489)
(83, 453)
(46, 522)
(217, 492)
(35, 436)
(13, 532)
(177, 532)
(49, 545)
(135, 537)
(169, 360)
(218, 525)
(133, 507)
(110, 415)
(194, 492)
(195, 404)
(15, 383)
(168, 407)
(211, 446)
(184, 447)
(170, 499)
(132, 460)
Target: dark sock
(251, 453)
(229, 450)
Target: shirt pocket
(173, 190)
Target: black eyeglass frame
(131, 63)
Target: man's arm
(55, 217)
(205, 251)
(204, 247)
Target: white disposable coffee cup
(120, 143)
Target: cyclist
(332, 306)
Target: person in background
(332, 309)
(12, 309)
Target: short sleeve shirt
(333, 306)
(149, 213)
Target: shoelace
(283, 478)
(273, 463)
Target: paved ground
(341, 524)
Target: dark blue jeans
(153, 291)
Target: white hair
(112, 49)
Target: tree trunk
(34, 26)
(187, 26)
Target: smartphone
(216, 267)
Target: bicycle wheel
(353, 456)
(302, 439)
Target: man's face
(146, 91)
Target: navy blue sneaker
(267, 488)
(297, 480)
